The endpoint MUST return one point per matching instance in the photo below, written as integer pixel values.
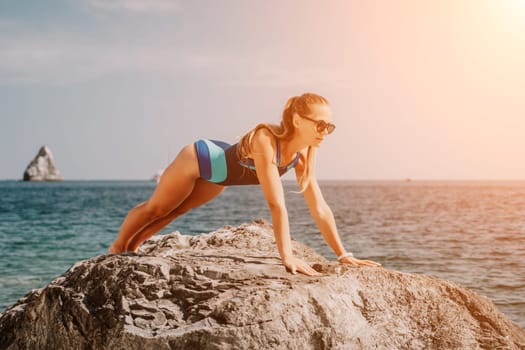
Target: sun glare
(512, 12)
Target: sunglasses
(321, 125)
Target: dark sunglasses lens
(321, 126)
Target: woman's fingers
(370, 263)
(357, 262)
(365, 263)
(301, 266)
(298, 265)
(308, 270)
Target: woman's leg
(176, 184)
(203, 192)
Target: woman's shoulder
(263, 139)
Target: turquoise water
(471, 233)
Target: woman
(201, 171)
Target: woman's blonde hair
(285, 130)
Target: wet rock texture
(228, 290)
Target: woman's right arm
(268, 175)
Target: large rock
(43, 167)
(228, 290)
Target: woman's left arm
(324, 219)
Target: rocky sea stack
(43, 167)
(228, 290)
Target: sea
(468, 232)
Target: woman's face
(310, 127)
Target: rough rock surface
(42, 168)
(228, 290)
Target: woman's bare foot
(113, 249)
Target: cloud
(136, 6)
(63, 58)
(70, 60)
(58, 56)
(51, 60)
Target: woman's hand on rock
(357, 262)
(294, 265)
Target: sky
(420, 89)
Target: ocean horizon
(469, 232)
